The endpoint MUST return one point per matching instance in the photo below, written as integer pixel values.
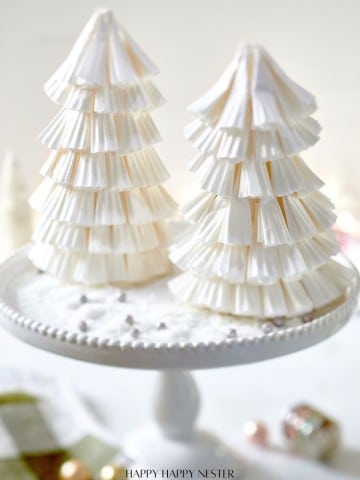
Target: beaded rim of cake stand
(332, 316)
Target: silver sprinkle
(135, 333)
(267, 327)
(83, 326)
(307, 318)
(83, 298)
(122, 297)
(130, 320)
(232, 333)
(278, 322)
(162, 326)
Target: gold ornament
(311, 432)
(74, 470)
(113, 472)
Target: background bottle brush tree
(261, 241)
(15, 213)
(102, 203)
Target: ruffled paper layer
(110, 99)
(315, 290)
(256, 264)
(97, 269)
(109, 171)
(81, 207)
(254, 179)
(122, 133)
(253, 144)
(104, 54)
(254, 92)
(103, 239)
(270, 222)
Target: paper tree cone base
(99, 269)
(285, 299)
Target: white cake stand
(172, 440)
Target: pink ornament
(256, 432)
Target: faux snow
(102, 312)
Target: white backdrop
(316, 41)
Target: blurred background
(318, 45)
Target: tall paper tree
(102, 203)
(261, 241)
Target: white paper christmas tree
(102, 203)
(15, 213)
(261, 241)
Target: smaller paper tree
(102, 203)
(261, 241)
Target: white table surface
(326, 376)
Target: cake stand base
(173, 443)
(150, 449)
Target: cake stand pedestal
(172, 441)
